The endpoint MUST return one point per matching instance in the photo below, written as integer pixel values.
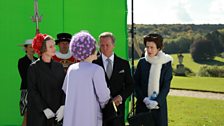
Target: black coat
(44, 91)
(23, 65)
(120, 83)
(141, 78)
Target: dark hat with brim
(63, 37)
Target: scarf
(155, 71)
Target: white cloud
(182, 11)
(177, 11)
(217, 7)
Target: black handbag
(110, 111)
(140, 119)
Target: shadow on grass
(211, 62)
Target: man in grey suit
(118, 76)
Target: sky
(177, 11)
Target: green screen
(70, 16)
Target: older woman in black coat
(152, 80)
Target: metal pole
(132, 48)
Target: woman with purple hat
(45, 78)
(84, 85)
(23, 65)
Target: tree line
(204, 42)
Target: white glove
(152, 105)
(60, 113)
(146, 101)
(49, 113)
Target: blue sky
(177, 11)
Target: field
(185, 111)
(198, 83)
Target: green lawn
(185, 111)
(189, 63)
(198, 83)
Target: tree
(183, 44)
(202, 50)
(218, 41)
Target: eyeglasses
(153, 36)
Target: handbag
(110, 111)
(140, 119)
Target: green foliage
(177, 37)
(171, 47)
(221, 31)
(186, 111)
(217, 40)
(202, 50)
(189, 72)
(211, 71)
(179, 45)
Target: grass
(219, 59)
(185, 111)
(198, 83)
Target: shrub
(189, 72)
(211, 71)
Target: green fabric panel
(97, 17)
(71, 16)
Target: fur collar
(63, 56)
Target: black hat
(63, 37)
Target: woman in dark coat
(23, 65)
(152, 80)
(45, 79)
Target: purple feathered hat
(82, 45)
